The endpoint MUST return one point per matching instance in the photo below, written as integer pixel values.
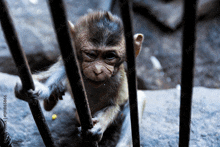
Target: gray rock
(35, 32)
(24, 132)
(20, 123)
(170, 13)
(34, 27)
(166, 47)
(159, 127)
(160, 123)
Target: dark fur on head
(105, 30)
(100, 28)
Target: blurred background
(159, 63)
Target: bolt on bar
(24, 71)
(71, 64)
(125, 6)
(188, 51)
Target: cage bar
(71, 64)
(188, 51)
(24, 71)
(125, 6)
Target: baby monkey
(100, 45)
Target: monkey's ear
(138, 39)
(71, 25)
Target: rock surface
(170, 13)
(160, 121)
(23, 130)
(161, 118)
(34, 27)
(166, 47)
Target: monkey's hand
(41, 91)
(95, 133)
(57, 91)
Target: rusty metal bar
(125, 6)
(24, 71)
(188, 51)
(71, 64)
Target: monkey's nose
(98, 70)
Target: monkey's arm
(57, 87)
(101, 121)
(125, 135)
(50, 91)
(105, 117)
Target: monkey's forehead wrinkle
(101, 48)
(119, 50)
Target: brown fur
(99, 41)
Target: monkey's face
(99, 65)
(100, 44)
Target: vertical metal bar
(24, 71)
(71, 64)
(188, 51)
(125, 6)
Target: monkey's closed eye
(91, 55)
(110, 56)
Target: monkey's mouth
(96, 83)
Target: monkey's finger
(19, 93)
(62, 93)
(22, 95)
(61, 90)
(18, 86)
(95, 121)
(96, 134)
(33, 94)
(17, 89)
(60, 97)
(79, 131)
